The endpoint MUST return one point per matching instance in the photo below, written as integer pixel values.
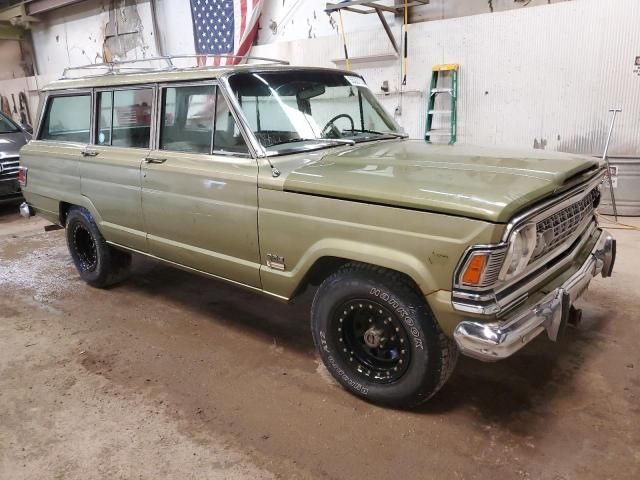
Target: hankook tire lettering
(404, 315)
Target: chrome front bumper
(494, 341)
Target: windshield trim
(323, 146)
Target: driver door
(199, 187)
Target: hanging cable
(347, 63)
(405, 58)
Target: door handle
(89, 153)
(154, 160)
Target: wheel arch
(83, 202)
(320, 264)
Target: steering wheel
(330, 126)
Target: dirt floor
(173, 376)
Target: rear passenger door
(199, 190)
(110, 171)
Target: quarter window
(68, 119)
(125, 118)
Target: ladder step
(445, 132)
(445, 67)
(439, 112)
(441, 90)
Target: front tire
(98, 264)
(377, 336)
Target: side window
(124, 118)
(187, 118)
(68, 119)
(227, 137)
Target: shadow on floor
(226, 304)
(512, 393)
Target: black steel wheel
(374, 341)
(97, 263)
(378, 338)
(85, 248)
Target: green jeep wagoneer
(276, 178)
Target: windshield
(7, 126)
(302, 110)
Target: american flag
(224, 27)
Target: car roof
(178, 75)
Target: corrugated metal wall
(542, 77)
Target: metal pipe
(606, 160)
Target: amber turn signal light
(473, 273)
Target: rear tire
(98, 264)
(378, 338)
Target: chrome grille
(557, 228)
(492, 270)
(9, 167)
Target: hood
(477, 182)
(11, 143)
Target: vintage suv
(276, 178)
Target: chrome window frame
(115, 88)
(243, 124)
(165, 85)
(232, 108)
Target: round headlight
(521, 247)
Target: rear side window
(124, 118)
(68, 119)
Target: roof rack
(168, 65)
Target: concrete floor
(173, 376)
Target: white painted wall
(286, 20)
(541, 75)
(74, 35)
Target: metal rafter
(356, 6)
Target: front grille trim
(9, 166)
(558, 227)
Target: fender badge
(275, 261)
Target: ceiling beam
(12, 12)
(9, 32)
(35, 7)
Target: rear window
(68, 119)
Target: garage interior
(171, 375)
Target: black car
(12, 138)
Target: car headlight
(521, 248)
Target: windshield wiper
(341, 141)
(377, 132)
